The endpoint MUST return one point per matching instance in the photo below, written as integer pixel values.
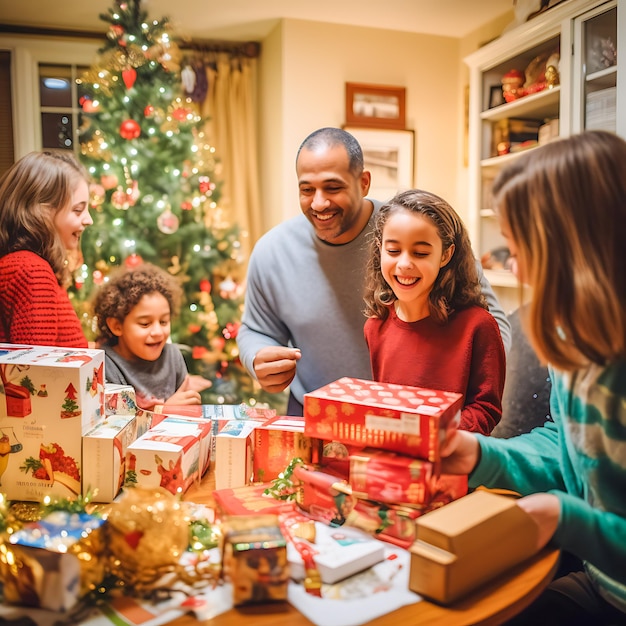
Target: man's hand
(275, 367)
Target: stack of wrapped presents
(313, 496)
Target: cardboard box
(104, 449)
(276, 442)
(49, 398)
(171, 455)
(234, 446)
(390, 477)
(468, 542)
(337, 552)
(399, 418)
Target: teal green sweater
(581, 459)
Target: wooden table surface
(492, 604)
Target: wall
(468, 45)
(316, 59)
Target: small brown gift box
(255, 559)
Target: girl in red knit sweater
(428, 324)
(44, 208)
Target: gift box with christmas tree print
(49, 398)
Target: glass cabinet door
(595, 69)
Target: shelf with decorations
(528, 87)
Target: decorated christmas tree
(156, 196)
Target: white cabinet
(582, 35)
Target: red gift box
(389, 477)
(399, 418)
(393, 523)
(276, 442)
(249, 500)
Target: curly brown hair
(457, 285)
(117, 297)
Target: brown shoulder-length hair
(565, 209)
(32, 192)
(457, 285)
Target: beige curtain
(230, 108)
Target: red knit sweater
(465, 355)
(34, 308)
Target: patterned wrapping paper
(49, 397)
(276, 442)
(255, 559)
(249, 500)
(398, 418)
(390, 477)
(52, 563)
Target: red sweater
(465, 355)
(34, 308)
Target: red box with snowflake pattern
(398, 418)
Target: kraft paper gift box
(104, 450)
(234, 449)
(49, 398)
(171, 455)
(255, 559)
(468, 542)
(398, 418)
(390, 477)
(52, 563)
(276, 442)
(119, 399)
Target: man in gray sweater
(303, 315)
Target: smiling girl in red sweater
(44, 208)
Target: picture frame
(389, 156)
(496, 97)
(375, 106)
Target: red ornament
(89, 106)
(133, 260)
(129, 129)
(194, 328)
(205, 285)
(186, 206)
(98, 277)
(129, 76)
(204, 184)
(198, 352)
(109, 181)
(149, 110)
(180, 114)
(230, 331)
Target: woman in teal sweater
(563, 213)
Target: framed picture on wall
(389, 156)
(375, 106)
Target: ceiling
(253, 19)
